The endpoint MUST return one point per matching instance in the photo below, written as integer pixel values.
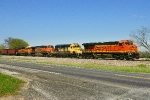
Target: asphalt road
(50, 82)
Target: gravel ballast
(82, 61)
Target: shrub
(142, 66)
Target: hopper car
(9, 51)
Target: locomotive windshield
(121, 44)
(128, 43)
(77, 46)
(50, 46)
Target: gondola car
(9, 51)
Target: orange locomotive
(117, 49)
(44, 50)
(24, 51)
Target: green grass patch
(3, 58)
(131, 69)
(148, 59)
(9, 85)
(17, 59)
(141, 68)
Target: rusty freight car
(9, 51)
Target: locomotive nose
(135, 51)
(80, 50)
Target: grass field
(9, 85)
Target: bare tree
(142, 37)
(7, 42)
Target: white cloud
(138, 16)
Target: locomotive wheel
(121, 57)
(91, 57)
(87, 57)
(127, 58)
(137, 56)
(117, 57)
(83, 57)
(80, 57)
(49, 55)
(33, 55)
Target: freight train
(120, 50)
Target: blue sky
(41, 22)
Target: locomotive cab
(129, 49)
(75, 49)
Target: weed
(142, 66)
